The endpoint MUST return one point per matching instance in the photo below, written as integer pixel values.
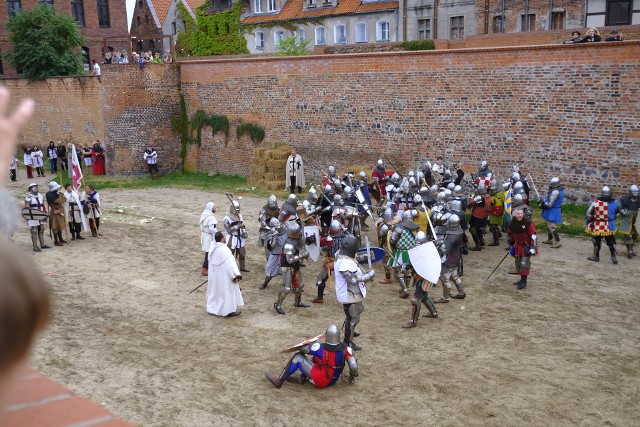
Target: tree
(293, 46)
(45, 43)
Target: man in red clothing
(328, 362)
(523, 240)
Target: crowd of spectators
(593, 35)
(122, 57)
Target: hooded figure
(223, 292)
(208, 229)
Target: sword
(534, 187)
(494, 270)
(302, 344)
(368, 251)
(199, 286)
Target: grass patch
(573, 218)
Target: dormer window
(258, 6)
(271, 5)
(312, 3)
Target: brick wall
(570, 110)
(137, 106)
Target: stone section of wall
(137, 105)
(67, 109)
(560, 110)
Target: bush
(418, 45)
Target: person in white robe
(208, 229)
(223, 290)
(295, 172)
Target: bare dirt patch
(126, 335)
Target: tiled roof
(293, 10)
(161, 8)
(193, 4)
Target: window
(152, 45)
(138, 20)
(557, 20)
(321, 36)
(174, 28)
(528, 24)
(424, 29)
(259, 40)
(498, 24)
(300, 35)
(85, 58)
(277, 36)
(103, 14)
(45, 2)
(619, 12)
(258, 6)
(361, 32)
(340, 34)
(457, 27)
(77, 11)
(146, 19)
(312, 3)
(382, 31)
(13, 7)
(271, 5)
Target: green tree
(293, 46)
(45, 43)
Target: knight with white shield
(35, 203)
(293, 254)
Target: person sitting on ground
(614, 36)
(575, 38)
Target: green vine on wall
(217, 123)
(215, 34)
(255, 132)
(180, 125)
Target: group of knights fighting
(65, 213)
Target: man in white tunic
(223, 291)
(295, 172)
(208, 229)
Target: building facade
(99, 20)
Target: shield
(376, 255)
(34, 214)
(362, 201)
(425, 260)
(302, 344)
(637, 223)
(313, 248)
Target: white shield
(637, 224)
(425, 260)
(314, 248)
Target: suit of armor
(451, 253)
(237, 234)
(629, 211)
(401, 240)
(601, 222)
(293, 254)
(552, 211)
(523, 240)
(268, 211)
(331, 246)
(35, 200)
(275, 241)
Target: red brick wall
(561, 110)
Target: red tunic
(521, 239)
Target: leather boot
(630, 252)
(204, 271)
(549, 239)
(415, 312)
(476, 248)
(60, 238)
(446, 296)
(41, 238)
(298, 300)
(56, 242)
(613, 254)
(320, 298)
(556, 240)
(496, 239)
(73, 231)
(596, 254)
(267, 279)
(278, 381)
(523, 283)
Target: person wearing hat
(57, 217)
(34, 200)
(208, 229)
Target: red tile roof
(194, 4)
(293, 10)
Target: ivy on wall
(215, 34)
(255, 132)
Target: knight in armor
(34, 200)
(496, 211)
(75, 216)
(459, 205)
(517, 178)
(552, 211)
(479, 208)
(421, 293)
(601, 222)
(312, 208)
(331, 246)
(326, 211)
(484, 170)
(447, 178)
(380, 177)
(420, 216)
(332, 179)
(450, 251)
(293, 254)
(383, 226)
(393, 187)
(275, 239)
(324, 370)
(629, 225)
(289, 210)
(57, 217)
(236, 233)
(429, 195)
(523, 240)
(519, 188)
(268, 211)
(401, 240)
(350, 287)
(208, 229)
(439, 216)
(364, 208)
(518, 200)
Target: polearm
(199, 286)
(534, 187)
(392, 165)
(494, 270)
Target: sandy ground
(126, 334)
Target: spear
(199, 286)
(494, 270)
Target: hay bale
(257, 169)
(276, 165)
(259, 152)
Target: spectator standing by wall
(88, 160)
(167, 58)
(575, 38)
(52, 153)
(151, 157)
(13, 168)
(62, 156)
(97, 155)
(28, 162)
(37, 159)
(592, 36)
(614, 36)
(95, 71)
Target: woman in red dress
(97, 155)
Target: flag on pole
(76, 171)
(508, 200)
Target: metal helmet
(434, 190)
(349, 246)
(517, 200)
(234, 208)
(518, 188)
(457, 191)
(506, 185)
(332, 335)
(412, 181)
(451, 186)
(272, 202)
(410, 174)
(633, 191)
(380, 163)
(387, 215)
(515, 177)
(421, 238)
(335, 227)
(446, 174)
(331, 171)
(448, 195)
(313, 195)
(419, 176)
(53, 186)
(31, 188)
(362, 175)
(328, 189)
(292, 199)
(493, 185)
(337, 200)
(348, 192)
(456, 205)
(554, 182)
(407, 216)
(417, 199)
(606, 191)
(484, 165)
(293, 230)
(441, 198)
(274, 223)
(424, 190)
(482, 190)
(453, 220)
(395, 178)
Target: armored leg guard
(41, 237)
(34, 239)
(431, 306)
(267, 279)
(352, 312)
(278, 381)
(460, 287)
(321, 285)
(446, 293)
(630, 252)
(596, 252)
(415, 313)
(404, 290)
(278, 304)
(549, 238)
(612, 249)
(298, 300)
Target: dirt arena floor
(126, 334)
